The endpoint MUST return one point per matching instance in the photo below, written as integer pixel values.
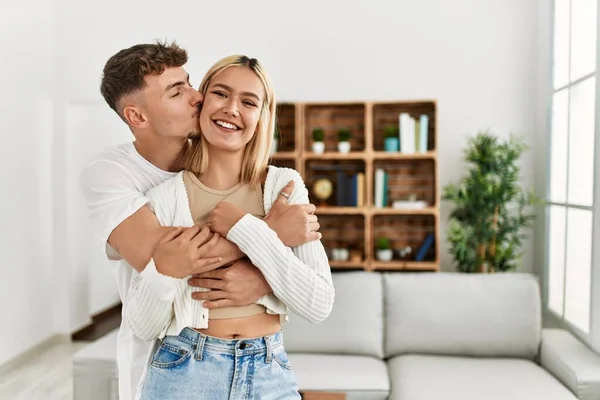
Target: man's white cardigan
(300, 278)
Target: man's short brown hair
(124, 72)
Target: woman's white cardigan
(300, 278)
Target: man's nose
(196, 98)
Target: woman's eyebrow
(249, 94)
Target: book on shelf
(381, 185)
(360, 187)
(423, 132)
(413, 133)
(407, 133)
(350, 189)
(425, 246)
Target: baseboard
(25, 357)
(102, 323)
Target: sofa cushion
(493, 315)
(95, 374)
(355, 325)
(423, 377)
(360, 377)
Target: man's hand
(237, 285)
(295, 224)
(183, 252)
(223, 217)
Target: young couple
(215, 246)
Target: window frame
(552, 318)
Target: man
(147, 86)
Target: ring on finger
(287, 196)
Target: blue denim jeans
(196, 366)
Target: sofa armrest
(571, 362)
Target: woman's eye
(249, 103)
(176, 94)
(219, 93)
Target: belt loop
(200, 347)
(269, 350)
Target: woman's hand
(223, 217)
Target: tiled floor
(46, 376)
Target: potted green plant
(344, 136)
(384, 249)
(486, 227)
(391, 138)
(318, 135)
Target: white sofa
(418, 336)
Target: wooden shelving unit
(356, 228)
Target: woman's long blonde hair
(256, 154)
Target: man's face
(171, 104)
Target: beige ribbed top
(202, 201)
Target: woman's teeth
(227, 125)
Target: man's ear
(134, 116)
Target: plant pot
(274, 147)
(340, 254)
(385, 255)
(344, 147)
(318, 147)
(391, 144)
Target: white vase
(344, 147)
(274, 147)
(385, 255)
(318, 147)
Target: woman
(227, 186)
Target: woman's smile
(225, 126)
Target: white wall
(477, 58)
(89, 126)
(26, 115)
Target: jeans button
(242, 346)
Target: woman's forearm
(300, 278)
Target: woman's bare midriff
(243, 328)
